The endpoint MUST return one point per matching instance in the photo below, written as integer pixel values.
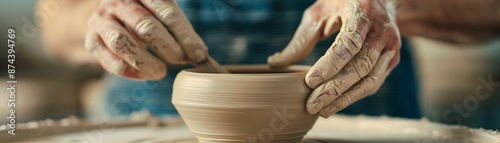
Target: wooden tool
(210, 66)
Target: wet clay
(253, 104)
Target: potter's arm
(462, 21)
(63, 35)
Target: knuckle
(350, 45)
(333, 89)
(108, 7)
(338, 106)
(363, 66)
(193, 42)
(342, 52)
(298, 42)
(371, 81)
(313, 79)
(355, 38)
(118, 42)
(333, 68)
(93, 19)
(309, 11)
(398, 58)
(358, 88)
(169, 15)
(371, 91)
(390, 27)
(91, 43)
(390, 30)
(112, 64)
(372, 55)
(354, 6)
(364, 19)
(328, 108)
(360, 18)
(345, 101)
(325, 65)
(116, 67)
(396, 43)
(330, 67)
(91, 46)
(115, 39)
(171, 2)
(365, 90)
(145, 28)
(313, 12)
(347, 70)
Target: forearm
(64, 33)
(464, 21)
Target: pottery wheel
(194, 140)
(336, 129)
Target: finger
(150, 30)
(181, 29)
(332, 26)
(119, 41)
(367, 86)
(356, 69)
(110, 62)
(305, 38)
(347, 45)
(395, 45)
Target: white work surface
(336, 129)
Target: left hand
(364, 52)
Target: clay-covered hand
(120, 31)
(364, 52)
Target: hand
(121, 29)
(364, 52)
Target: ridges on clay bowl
(254, 103)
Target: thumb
(303, 41)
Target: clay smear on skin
(181, 29)
(160, 40)
(148, 66)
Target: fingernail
(326, 114)
(199, 55)
(153, 71)
(314, 81)
(159, 73)
(275, 61)
(392, 53)
(272, 58)
(315, 107)
(323, 115)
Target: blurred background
(433, 79)
(46, 88)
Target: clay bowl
(253, 104)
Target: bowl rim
(293, 69)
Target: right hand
(120, 31)
(359, 60)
